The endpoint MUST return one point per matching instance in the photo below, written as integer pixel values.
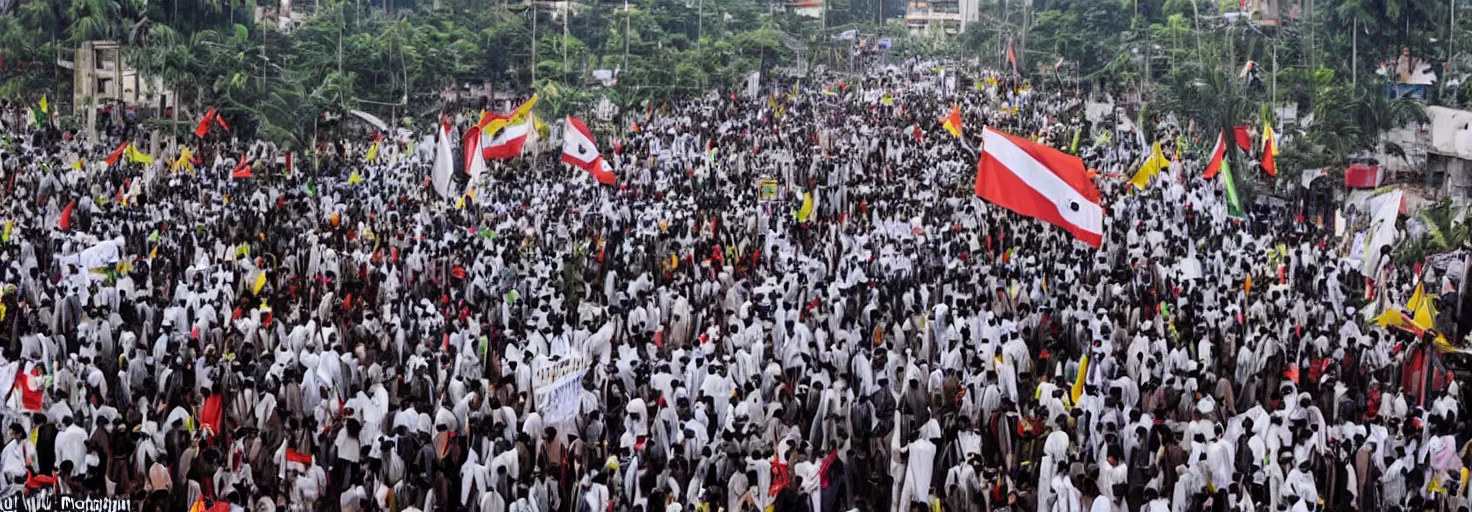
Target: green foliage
(395, 57)
(1445, 230)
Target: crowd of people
(787, 302)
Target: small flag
(242, 169)
(372, 153)
(66, 216)
(1152, 166)
(952, 122)
(137, 157)
(260, 283)
(1077, 389)
(45, 108)
(807, 208)
(355, 178)
(1234, 203)
(1218, 155)
(204, 123)
(1012, 58)
(1269, 150)
(185, 160)
(112, 158)
(1244, 141)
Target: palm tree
(94, 20)
(1356, 14)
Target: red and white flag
(1040, 182)
(508, 142)
(581, 151)
(1217, 154)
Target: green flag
(1073, 149)
(311, 188)
(1234, 203)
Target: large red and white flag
(1040, 182)
(581, 151)
(508, 142)
(1217, 154)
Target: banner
(753, 84)
(557, 387)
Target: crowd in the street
(791, 301)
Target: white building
(938, 18)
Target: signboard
(557, 387)
(768, 190)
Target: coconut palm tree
(94, 20)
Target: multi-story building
(937, 18)
(100, 76)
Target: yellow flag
(807, 208)
(185, 160)
(355, 178)
(260, 283)
(1423, 311)
(45, 108)
(1078, 383)
(372, 153)
(1417, 297)
(539, 126)
(1153, 164)
(6, 235)
(137, 157)
(1267, 135)
(77, 164)
(526, 108)
(153, 253)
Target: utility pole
(1451, 37)
(1275, 72)
(627, 14)
(533, 11)
(566, 13)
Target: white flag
(444, 164)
